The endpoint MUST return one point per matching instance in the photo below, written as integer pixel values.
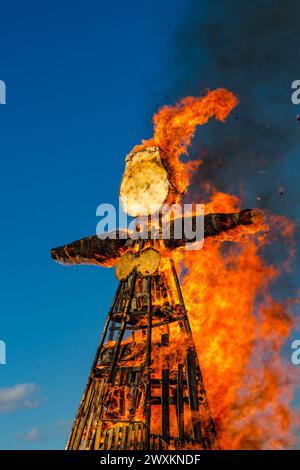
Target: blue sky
(83, 81)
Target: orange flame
(239, 339)
(174, 128)
(238, 328)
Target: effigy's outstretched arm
(91, 250)
(105, 252)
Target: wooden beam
(193, 394)
(116, 353)
(147, 409)
(105, 252)
(180, 403)
(98, 435)
(165, 428)
(124, 430)
(116, 440)
(110, 433)
(165, 392)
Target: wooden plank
(122, 401)
(85, 444)
(157, 381)
(100, 388)
(109, 438)
(147, 401)
(112, 331)
(141, 437)
(193, 394)
(128, 376)
(98, 435)
(122, 376)
(79, 421)
(83, 418)
(104, 441)
(116, 437)
(133, 397)
(107, 322)
(136, 436)
(138, 396)
(129, 437)
(92, 413)
(117, 346)
(165, 392)
(123, 437)
(180, 403)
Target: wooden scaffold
(134, 387)
(145, 389)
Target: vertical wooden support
(123, 437)
(109, 316)
(165, 393)
(195, 379)
(121, 332)
(134, 389)
(98, 435)
(136, 435)
(122, 401)
(193, 394)
(76, 437)
(129, 437)
(147, 409)
(116, 441)
(112, 331)
(128, 376)
(110, 433)
(180, 403)
(141, 436)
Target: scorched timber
(105, 252)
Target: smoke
(251, 49)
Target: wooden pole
(147, 409)
(193, 394)
(121, 332)
(190, 363)
(180, 403)
(193, 368)
(165, 392)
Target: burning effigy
(158, 380)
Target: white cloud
(34, 435)
(62, 426)
(19, 396)
(45, 433)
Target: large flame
(239, 331)
(175, 126)
(238, 327)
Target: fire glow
(238, 328)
